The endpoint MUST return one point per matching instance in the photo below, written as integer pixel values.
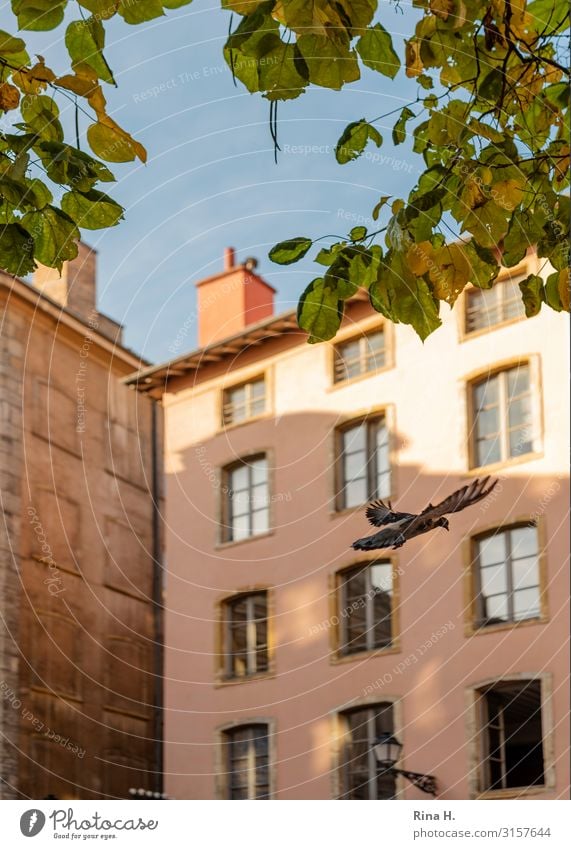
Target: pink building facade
(287, 654)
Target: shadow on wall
(435, 654)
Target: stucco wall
(423, 392)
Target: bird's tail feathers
(364, 544)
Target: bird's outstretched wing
(378, 513)
(463, 497)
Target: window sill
(474, 631)
(247, 679)
(505, 464)
(234, 542)
(359, 377)
(336, 658)
(514, 792)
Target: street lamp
(387, 751)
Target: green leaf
(404, 298)
(557, 290)
(68, 166)
(320, 311)
(55, 236)
(484, 266)
(376, 50)
(16, 250)
(92, 210)
(279, 71)
(41, 114)
(338, 276)
(425, 81)
(85, 41)
(354, 139)
(10, 44)
(327, 255)
(399, 129)
(357, 234)
(330, 62)
(140, 11)
(39, 15)
(364, 267)
(379, 206)
(23, 193)
(101, 9)
(291, 250)
(533, 294)
(526, 228)
(491, 85)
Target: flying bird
(400, 527)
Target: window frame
(222, 773)
(471, 583)
(499, 290)
(508, 566)
(375, 417)
(223, 655)
(361, 338)
(470, 381)
(338, 595)
(528, 265)
(225, 526)
(342, 770)
(474, 732)
(486, 744)
(246, 382)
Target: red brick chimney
(228, 302)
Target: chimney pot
(229, 258)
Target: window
(247, 499)
(365, 607)
(506, 564)
(502, 406)
(512, 738)
(244, 402)
(359, 355)
(362, 778)
(246, 635)
(486, 308)
(246, 750)
(364, 463)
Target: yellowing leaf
(414, 65)
(419, 258)
(449, 273)
(507, 193)
(33, 80)
(113, 144)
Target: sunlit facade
(286, 653)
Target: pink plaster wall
(424, 394)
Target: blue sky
(211, 180)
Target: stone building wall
(11, 369)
